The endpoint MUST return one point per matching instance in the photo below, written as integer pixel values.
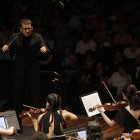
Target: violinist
(94, 131)
(126, 117)
(138, 93)
(53, 121)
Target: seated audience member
(135, 72)
(120, 78)
(53, 121)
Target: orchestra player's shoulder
(67, 115)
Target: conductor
(24, 47)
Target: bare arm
(110, 122)
(35, 121)
(68, 116)
(8, 131)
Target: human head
(135, 103)
(54, 101)
(135, 106)
(138, 93)
(129, 91)
(26, 27)
(137, 60)
(122, 69)
(94, 131)
(39, 136)
(85, 36)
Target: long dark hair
(54, 101)
(129, 91)
(135, 103)
(94, 131)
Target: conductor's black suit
(26, 69)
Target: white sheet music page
(2, 123)
(90, 101)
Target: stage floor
(28, 130)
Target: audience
(120, 78)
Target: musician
(53, 121)
(128, 116)
(138, 93)
(24, 47)
(94, 131)
(11, 130)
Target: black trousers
(23, 86)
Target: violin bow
(12, 41)
(108, 91)
(29, 106)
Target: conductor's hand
(5, 48)
(43, 49)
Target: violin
(111, 106)
(135, 135)
(33, 111)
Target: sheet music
(90, 101)
(2, 123)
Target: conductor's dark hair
(25, 21)
(94, 131)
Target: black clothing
(26, 68)
(126, 120)
(58, 119)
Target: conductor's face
(26, 29)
